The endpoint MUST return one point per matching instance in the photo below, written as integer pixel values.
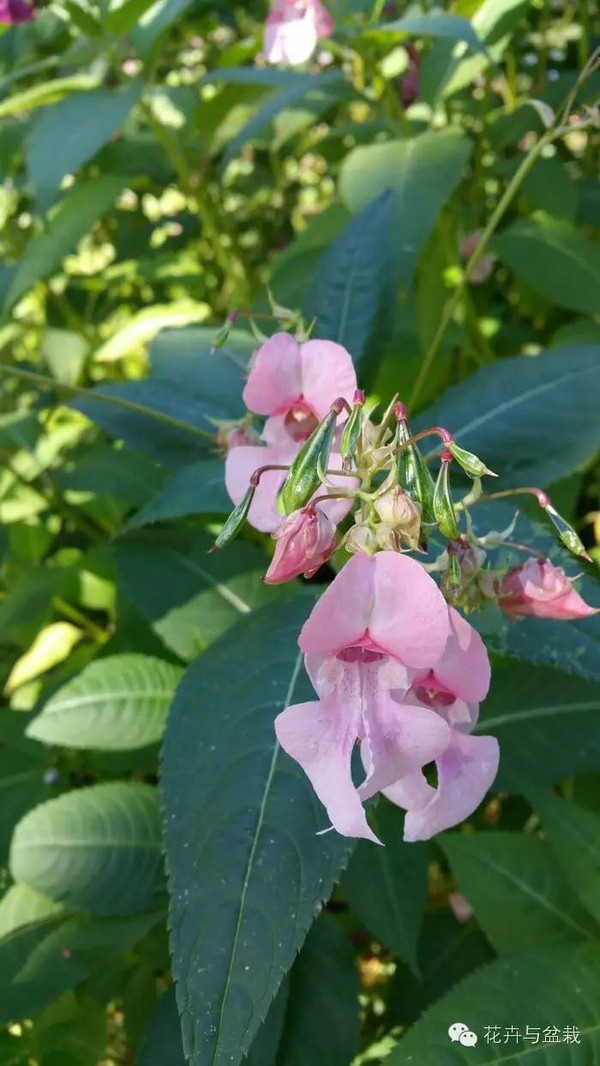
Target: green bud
(235, 521)
(471, 464)
(304, 477)
(351, 433)
(566, 532)
(414, 474)
(453, 573)
(443, 508)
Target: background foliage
(156, 177)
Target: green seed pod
(303, 479)
(453, 573)
(351, 433)
(443, 506)
(235, 521)
(413, 473)
(471, 464)
(566, 532)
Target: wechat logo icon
(460, 1032)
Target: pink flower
(485, 266)
(304, 542)
(392, 665)
(13, 11)
(292, 29)
(539, 588)
(454, 687)
(294, 385)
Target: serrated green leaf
(196, 489)
(115, 704)
(556, 986)
(240, 815)
(518, 891)
(117, 472)
(387, 887)
(574, 834)
(97, 848)
(534, 419)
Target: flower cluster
(398, 671)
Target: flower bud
(233, 436)
(223, 334)
(453, 573)
(235, 521)
(388, 539)
(396, 509)
(443, 507)
(361, 538)
(566, 532)
(304, 477)
(471, 464)
(305, 541)
(414, 475)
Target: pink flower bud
(229, 437)
(304, 542)
(540, 589)
(460, 907)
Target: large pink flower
(294, 385)
(539, 588)
(292, 29)
(399, 672)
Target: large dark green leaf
(118, 472)
(247, 870)
(387, 887)
(161, 1043)
(574, 834)
(23, 765)
(115, 704)
(552, 987)
(97, 848)
(519, 892)
(533, 419)
(545, 720)
(196, 489)
(184, 359)
(190, 596)
(353, 289)
(81, 124)
(434, 24)
(555, 259)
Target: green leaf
(81, 124)
(323, 998)
(546, 723)
(145, 324)
(123, 15)
(519, 893)
(574, 834)
(387, 887)
(22, 767)
(240, 815)
(75, 215)
(555, 259)
(196, 489)
(534, 419)
(189, 596)
(435, 23)
(115, 704)
(353, 289)
(97, 848)
(184, 359)
(48, 92)
(117, 472)
(161, 1044)
(555, 986)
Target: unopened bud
(443, 507)
(398, 510)
(453, 573)
(361, 538)
(235, 521)
(566, 532)
(304, 477)
(224, 332)
(471, 464)
(388, 539)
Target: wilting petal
(464, 667)
(320, 736)
(466, 770)
(399, 740)
(409, 616)
(240, 465)
(327, 372)
(275, 381)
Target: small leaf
(52, 645)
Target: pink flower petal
(240, 464)
(464, 667)
(327, 372)
(275, 381)
(409, 616)
(342, 614)
(320, 736)
(466, 771)
(399, 739)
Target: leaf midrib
(251, 857)
(536, 712)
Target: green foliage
(157, 175)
